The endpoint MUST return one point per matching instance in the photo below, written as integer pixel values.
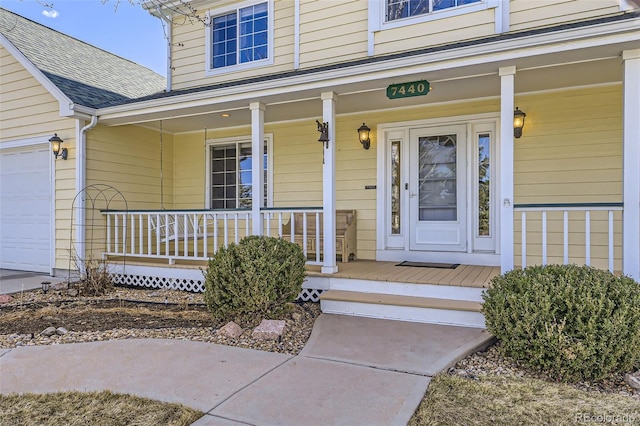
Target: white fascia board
(66, 106)
(501, 50)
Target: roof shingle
(89, 76)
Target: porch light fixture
(518, 122)
(56, 142)
(363, 136)
(45, 286)
(323, 128)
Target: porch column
(329, 185)
(507, 77)
(631, 165)
(257, 165)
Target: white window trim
(209, 71)
(268, 137)
(433, 16)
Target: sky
(126, 30)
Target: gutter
(81, 183)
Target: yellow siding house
(414, 149)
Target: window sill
(236, 68)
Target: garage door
(25, 209)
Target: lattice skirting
(192, 285)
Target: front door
(438, 188)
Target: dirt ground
(100, 315)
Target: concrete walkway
(17, 281)
(353, 371)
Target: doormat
(429, 265)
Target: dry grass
(95, 408)
(496, 400)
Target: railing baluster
(158, 225)
(108, 232)
(215, 233)
(318, 241)
(195, 220)
(610, 214)
(235, 228)
(141, 233)
(185, 236)
(565, 237)
(205, 246)
(524, 239)
(226, 230)
(246, 224)
(125, 228)
(587, 238)
(117, 233)
(280, 224)
(133, 234)
(292, 221)
(544, 237)
(304, 234)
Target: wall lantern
(323, 128)
(56, 142)
(363, 136)
(518, 122)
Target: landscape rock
(230, 330)
(61, 331)
(296, 316)
(5, 298)
(60, 286)
(269, 330)
(49, 331)
(633, 380)
(72, 292)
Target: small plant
(573, 322)
(260, 275)
(93, 276)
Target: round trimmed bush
(572, 322)
(259, 275)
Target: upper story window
(240, 38)
(399, 9)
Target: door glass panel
(395, 187)
(437, 197)
(484, 185)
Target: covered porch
(565, 190)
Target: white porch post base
(507, 77)
(329, 265)
(631, 165)
(257, 169)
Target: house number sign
(407, 90)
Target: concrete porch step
(405, 308)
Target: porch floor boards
(462, 276)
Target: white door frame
(396, 247)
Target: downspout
(168, 35)
(81, 183)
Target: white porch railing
(588, 225)
(198, 234)
(299, 225)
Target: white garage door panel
(25, 209)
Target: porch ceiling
(588, 66)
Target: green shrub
(258, 276)
(573, 322)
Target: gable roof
(87, 75)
